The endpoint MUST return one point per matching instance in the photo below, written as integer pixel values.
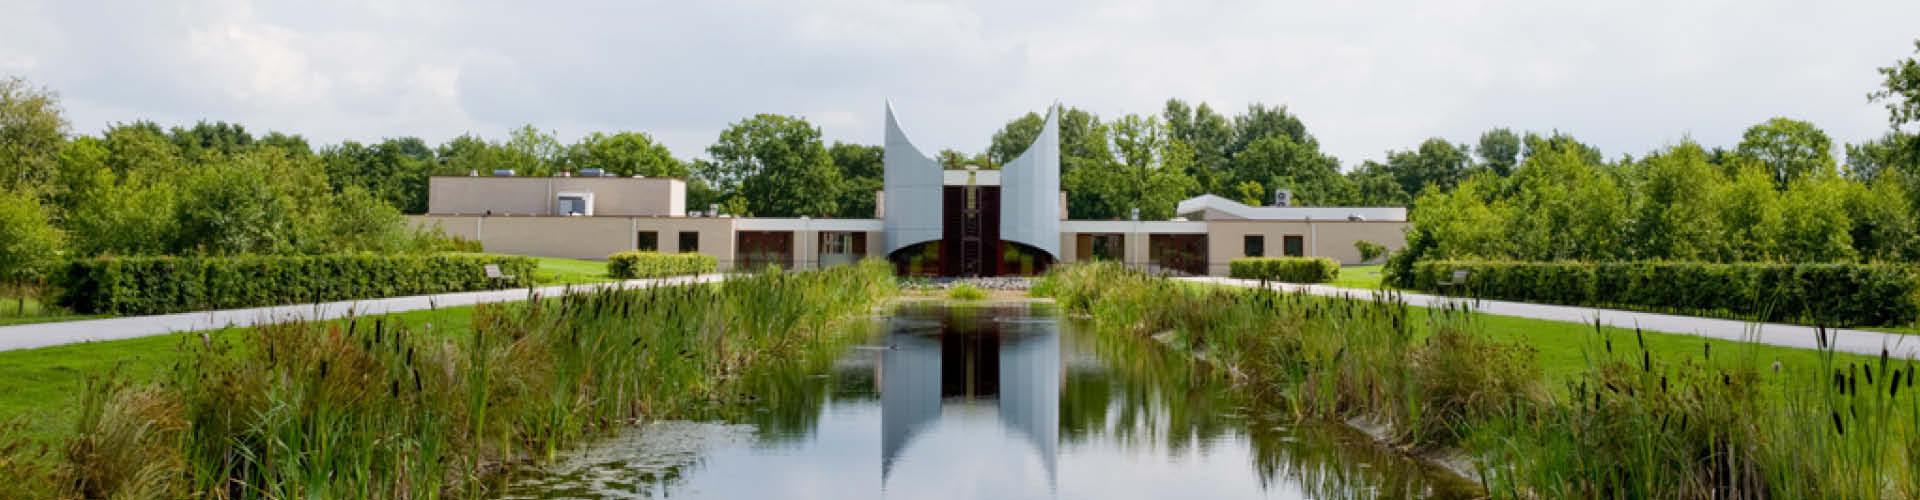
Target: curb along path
(1776, 334)
(60, 333)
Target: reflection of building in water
(1012, 365)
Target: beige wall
(584, 237)
(596, 237)
(612, 196)
(1332, 239)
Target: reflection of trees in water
(783, 399)
(1148, 396)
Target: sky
(1627, 76)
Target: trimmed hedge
(160, 285)
(1287, 269)
(636, 264)
(1825, 294)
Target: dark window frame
(647, 241)
(1293, 245)
(1254, 245)
(685, 247)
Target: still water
(989, 402)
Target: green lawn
(1367, 277)
(563, 271)
(14, 312)
(1563, 348)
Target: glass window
(1295, 245)
(648, 241)
(1255, 245)
(573, 205)
(689, 241)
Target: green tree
(1149, 173)
(1567, 207)
(29, 243)
(1250, 193)
(1674, 217)
(394, 170)
(1210, 134)
(1894, 151)
(1885, 226)
(1276, 161)
(205, 139)
(1374, 185)
(32, 129)
(258, 202)
(862, 173)
(776, 165)
(1436, 163)
(625, 154)
(1900, 90)
(1814, 222)
(1791, 149)
(1083, 144)
(141, 148)
(356, 219)
(1499, 150)
(1750, 213)
(470, 154)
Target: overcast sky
(1627, 76)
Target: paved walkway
(1779, 334)
(68, 332)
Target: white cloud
(1628, 76)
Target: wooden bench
(1459, 279)
(493, 273)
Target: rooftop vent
(593, 172)
(505, 172)
(1283, 197)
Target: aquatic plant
(965, 291)
(361, 408)
(1628, 424)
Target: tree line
(214, 187)
(1778, 196)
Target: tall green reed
(366, 408)
(1631, 424)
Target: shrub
(637, 264)
(159, 285)
(966, 291)
(1288, 269)
(1828, 294)
(1369, 250)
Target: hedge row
(636, 264)
(1824, 294)
(1287, 269)
(159, 285)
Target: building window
(1255, 245)
(835, 243)
(573, 205)
(648, 241)
(1295, 245)
(689, 241)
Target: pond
(1004, 400)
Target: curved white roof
(1218, 208)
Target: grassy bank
(1363, 277)
(1548, 412)
(16, 310)
(564, 271)
(381, 408)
